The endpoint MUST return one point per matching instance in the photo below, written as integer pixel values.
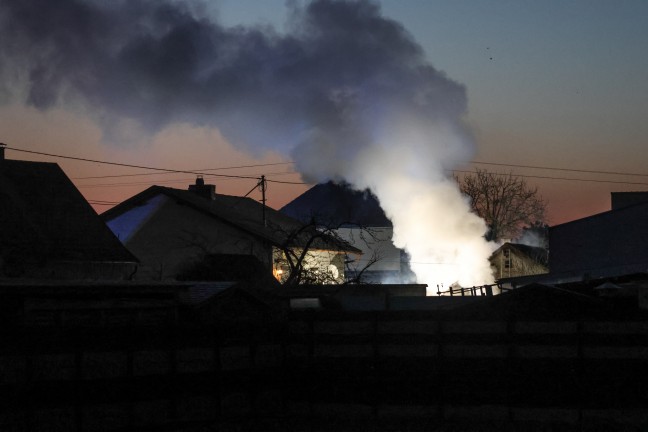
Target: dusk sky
(557, 84)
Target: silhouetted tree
(504, 201)
(314, 254)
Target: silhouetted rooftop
(335, 205)
(245, 214)
(45, 218)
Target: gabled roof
(537, 254)
(45, 218)
(337, 205)
(243, 213)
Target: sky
(553, 84)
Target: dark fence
(478, 290)
(576, 372)
(335, 370)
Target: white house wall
(328, 264)
(177, 234)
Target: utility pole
(262, 185)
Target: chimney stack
(204, 190)
(2, 151)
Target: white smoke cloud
(406, 169)
(346, 91)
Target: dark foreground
(157, 368)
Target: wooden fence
(382, 370)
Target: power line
(287, 182)
(169, 181)
(560, 178)
(202, 170)
(102, 201)
(560, 169)
(106, 203)
(166, 170)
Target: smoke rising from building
(347, 92)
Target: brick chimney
(207, 191)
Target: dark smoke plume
(159, 62)
(345, 90)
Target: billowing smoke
(345, 90)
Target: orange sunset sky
(549, 84)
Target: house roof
(245, 214)
(615, 212)
(606, 244)
(537, 254)
(337, 205)
(45, 218)
(625, 199)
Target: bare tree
(300, 254)
(314, 254)
(504, 201)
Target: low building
(607, 244)
(514, 260)
(173, 232)
(605, 247)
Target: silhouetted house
(177, 234)
(613, 243)
(625, 199)
(513, 260)
(224, 267)
(49, 231)
(356, 216)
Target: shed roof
(537, 254)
